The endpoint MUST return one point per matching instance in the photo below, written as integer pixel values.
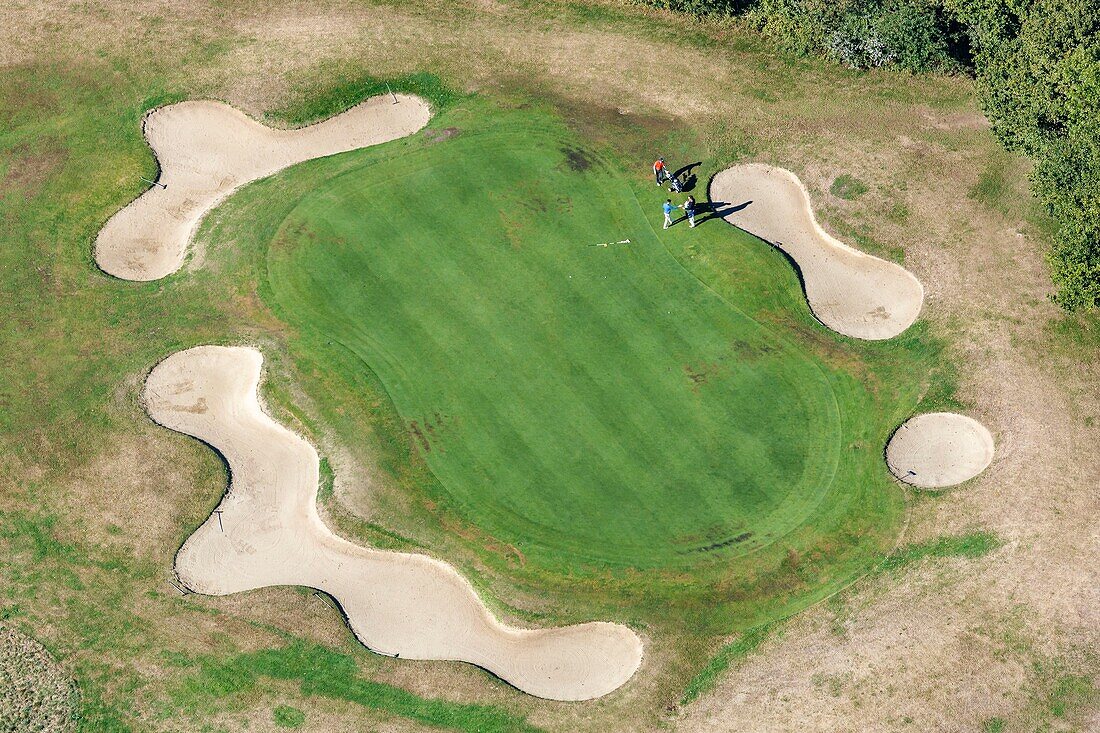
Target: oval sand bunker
(849, 291)
(939, 449)
(266, 531)
(207, 150)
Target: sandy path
(207, 150)
(939, 449)
(849, 291)
(269, 533)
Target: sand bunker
(266, 531)
(206, 150)
(939, 449)
(849, 291)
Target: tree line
(1037, 67)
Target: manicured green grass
(570, 415)
(577, 402)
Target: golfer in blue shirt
(669, 208)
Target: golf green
(596, 402)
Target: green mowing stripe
(705, 680)
(564, 372)
(220, 685)
(972, 545)
(344, 93)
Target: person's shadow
(690, 179)
(717, 210)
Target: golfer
(669, 208)
(659, 170)
(689, 210)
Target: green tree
(1037, 64)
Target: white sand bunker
(267, 531)
(849, 291)
(206, 151)
(939, 449)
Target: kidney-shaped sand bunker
(207, 150)
(849, 291)
(266, 531)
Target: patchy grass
(1070, 694)
(847, 187)
(860, 234)
(327, 481)
(36, 696)
(993, 186)
(215, 685)
(972, 545)
(730, 654)
(286, 716)
(341, 93)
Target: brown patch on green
(470, 533)
(414, 428)
(735, 540)
(438, 136)
(744, 350)
(604, 124)
(577, 160)
(29, 168)
(700, 374)
(429, 428)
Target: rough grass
(287, 716)
(36, 696)
(343, 93)
(212, 684)
(847, 187)
(704, 681)
(972, 545)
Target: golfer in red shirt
(659, 170)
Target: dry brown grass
(36, 694)
(946, 646)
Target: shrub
(1038, 69)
